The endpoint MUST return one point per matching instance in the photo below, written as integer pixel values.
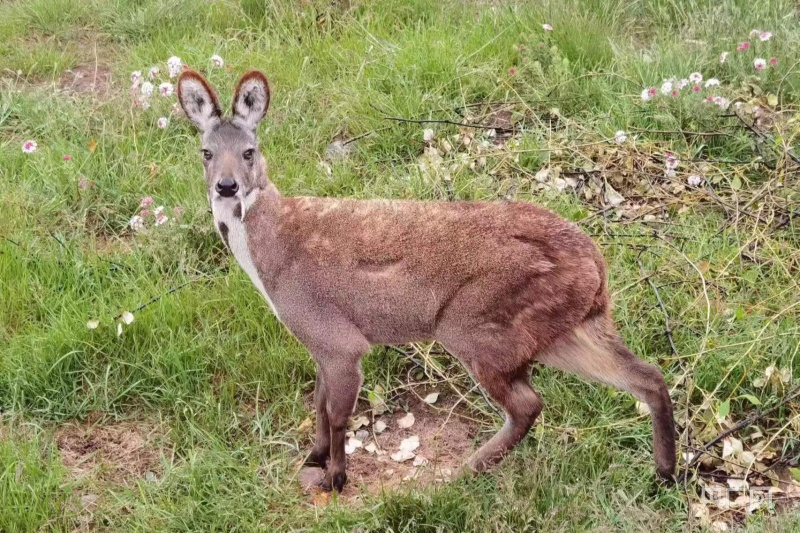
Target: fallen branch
(749, 420)
(667, 328)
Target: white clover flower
(695, 77)
(620, 137)
(759, 63)
(547, 27)
(694, 180)
(165, 89)
(671, 161)
(137, 223)
(153, 73)
(666, 88)
(174, 66)
(158, 211)
(683, 83)
(648, 94)
(29, 147)
(722, 102)
(723, 57)
(136, 78)
(217, 61)
(161, 218)
(711, 82)
(162, 122)
(427, 135)
(147, 89)
(764, 36)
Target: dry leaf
(612, 197)
(371, 447)
(402, 456)
(92, 324)
(410, 444)
(642, 408)
(407, 421)
(419, 461)
(359, 421)
(379, 426)
(92, 145)
(305, 426)
(431, 398)
(352, 445)
(127, 318)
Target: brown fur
(500, 285)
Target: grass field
(195, 417)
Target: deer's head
(232, 162)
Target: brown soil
(116, 452)
(447, 437)
(94, 80)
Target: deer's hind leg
(322, 442)
(507, 381)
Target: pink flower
(512, 71)
(159, 211)
(674, 93)
(773, 61)
(29, 147)
(696, 88)
(695, 77)
(137, 223)
(759, 63)
(671, 160)
(162, 122)
(161, 219)
(166, 89)
(144, 213)
(743, 46)
(66, 157)
(177, 212)
(136, 78)
(83, 183)
(174, 66)
(547, 27)
(147, 200)
(764, 36)
(648, 94)
(724, 103)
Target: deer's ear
(198, 100)
(251, 100)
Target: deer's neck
(237, 219)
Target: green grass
(231, 384)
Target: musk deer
(500, 285)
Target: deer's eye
(207, 155)
(248, 154)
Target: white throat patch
(236, 237)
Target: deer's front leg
(341, 374)
(322, 442)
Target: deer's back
(401, 269)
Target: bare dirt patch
(447, 436)
(117, 452)
(82, 80)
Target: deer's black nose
(227, 187)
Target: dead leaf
(407, 421)
(431, 398)
(410, 444)
(359, 421)
(612, 197)
(92, 145)
(379, 427)
(402, 456)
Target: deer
(501, 285)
